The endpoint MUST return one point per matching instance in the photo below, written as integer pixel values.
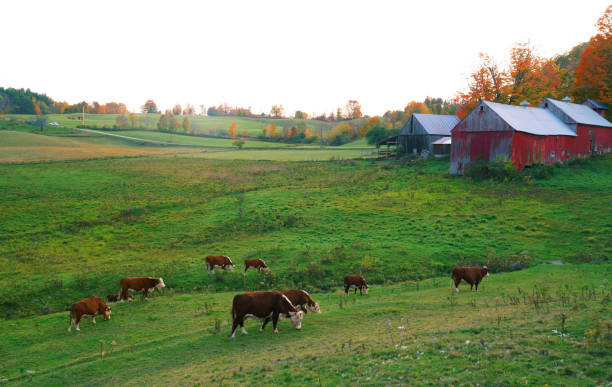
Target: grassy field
(199, 124)
(72, 229)
(547, 325)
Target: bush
(500, 169)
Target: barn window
(568, 153)
(552, 154)
(590, 132)
(545, 104)
(562, 153)
(579, 155)
(481, 108)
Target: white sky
(310, 55)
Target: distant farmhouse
(554, 131)
(427, 133)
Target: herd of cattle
(267, 306)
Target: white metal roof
(438, 124)
(580, 114)
(443, 141)
(531, 120)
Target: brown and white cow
(263, 305)
(357, 282)
(136, 284)
(471, 275)
(88, 307)
(257, 264)
(301, 298)
(222, 261)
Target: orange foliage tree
(594, 72)
(232, 130)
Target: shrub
(500, 169)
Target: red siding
(529, 149)
(470, 146)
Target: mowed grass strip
(536, 326)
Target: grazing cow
(222, 261)
(136, 284)
(115, 297)
(471, 275)
(302, 299)
(88, 307)
(357, 282)
(258, 264)
(266, 306)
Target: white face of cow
(107, 313)
(266, 270)
(296, 319)
(231, 267)
(365, 289)
(315, 308)
(161, 283)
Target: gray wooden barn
(422, 130)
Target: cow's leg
(78, 320)
(245, 270)
(471, 287)
(356, 290)
(346, 289)
(234, 326)
(123, 294)
(275, 321)
(477, 285)
(145, 293)
(304, 309)
(208, 268)
(457, 282)
(71, 322)
(93, 320)
(244, 332)
(263, 326)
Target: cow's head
(265, 269)
(366, 288)
(160, 283)
(296, 319)
(107, 313)
(485, 270)
(314, 307)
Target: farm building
(422, 130)
(597, 106)
(554, 131)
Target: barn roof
(580, 114)
(531, 120)
(443, 141)
(597, 104)
(437, 124)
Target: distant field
(19, 147)
(207, 142)
(199, 124)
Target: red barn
(554, 131)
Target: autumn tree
(232, 130)
(149, 107)
(122, 121)
(177, 110)
(277, 111)
(270, 130)
(487, 83)
(594, 72)
(239, 143)
(245, 133)
(300, 115)
(163, 122)
(186, 125)
(353, 110)
(189, 109)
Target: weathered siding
(530, 149)
(471, 146)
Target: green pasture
(199, 124)
(72, 229)
(547, 325)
